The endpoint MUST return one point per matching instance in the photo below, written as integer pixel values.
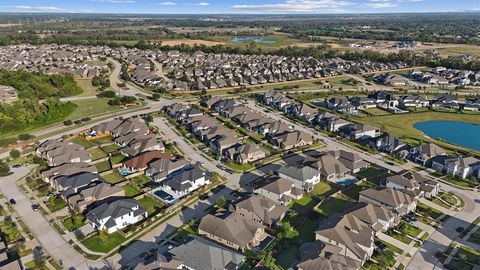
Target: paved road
(115, 80)
(332, 144)
(441, 239)
(54, 244)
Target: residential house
(359, 131)
(407, 102)
(245, 153)
(414, 184)
(319, 255)
(394, 200)
(389, 144)
(140, 144)
(67, 169)
(57, 153)
(329, 167)
(292, 139)
(232, 230)
(458, 166)
(141, 162)
(161, 168)
(351, 160)
(71, 184)
(424, 153)
(302, 176)
(261, 209)
(116, 215)
(279, 190)
(101, 192)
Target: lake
(459, 133)
(254, 39)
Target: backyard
(113, 178)
(150, 204)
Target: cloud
(33, 8)
(330, 6)
(199, 4)
(379, 4)
(114, 1)
(167, 4)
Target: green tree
(4, 168)
(221, 202)
(14, 154)
(287, 231)
(155, 96)
(103, 235)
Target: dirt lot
(190, 42)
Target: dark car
(16, 166)
(12, 201)
(35, 207)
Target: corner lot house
(232, 230)
(394, 200)
(414, 184)
(116, 215)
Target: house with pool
(181, 183)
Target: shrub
(68, 122)
(25, 137)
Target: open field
(190, 42)
(90, 107)
(401, 125)
(87, 87)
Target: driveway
(55, 245)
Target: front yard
(74, 222)
(96, 244)
(151, 204)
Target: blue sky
(238, 6)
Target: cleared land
(191, 42)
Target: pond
(254, 39)
(459, 133)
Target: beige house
(93, 194)
(232, 230)
(261, 209)
(280, 190)
(394, 200)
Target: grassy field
(91, 107)
(401, 125)
(97, 245)
(87, 87)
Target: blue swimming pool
(164, 196)
(124, 171)
(347, 182)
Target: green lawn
(239, 167)
(184, 232)
(409, 229)
(130, 191)
(332, 205)
(150, 204)
(117, 158)
(81, 141)
(374, 175)
(471, 255)
(97, 245)
(449, 197)
(399, 236)
(462, 182)
(10, 231)
(102, 140)
(140, 180)
(306, 204)
(97, 153)
(58, 204)
(74, 222)
(87, 87)
(110, 148)
(91, 107)
(401, 125)
(375, 112)
(114, 177)
(354, 190)
(428, 211)
(103, 166)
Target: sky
(238, 6)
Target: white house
(116, 215)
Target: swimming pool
(124, 171)
(347, 182)
(164, 196)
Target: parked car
(35, 207)
(16, 166)
(12, 201)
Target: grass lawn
(375, 112)
(409, 229)
(91, 107)
(140, 180)
(103, 166)
(441, 203)
(117, 158)
(399, 236)
(374, 175)
(470, 254)
(10, 231)
(304, 205)
(426, 210)
(97, 245)
(449, 197)
(130, 191)
(58, 204)
(102, 140)
(401, 125)
(239, 167)
(354, 190)
(87, 87)
(332, 205)
(392, 247)
(385, 260)
(459, 265)
(97, 153)
(32, 266)
(81, 141)
(462, 182)
(74, 222)
(110, 148)
(114, 177)
(150, 204)
(183, 232)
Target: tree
(52, 201)
(155, 96)
(287, 231)
(25, 137)
(14, 154)
(103, 235)
(221, 202)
